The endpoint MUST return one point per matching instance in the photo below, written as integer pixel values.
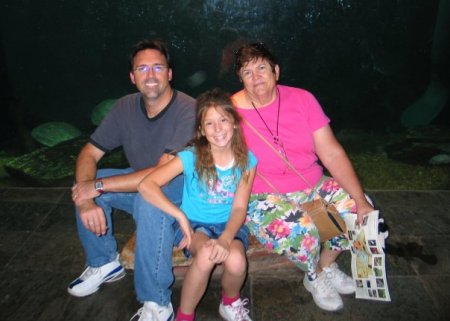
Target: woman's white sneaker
(342, 282)
(324, 294)
(90, 280)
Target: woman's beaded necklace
(276, 138)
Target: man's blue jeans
(155, 235)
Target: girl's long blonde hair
(204, 164)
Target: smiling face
(218, 127)
(151, 74)
(259, 78)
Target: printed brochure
(368, 257)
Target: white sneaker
(91, 279)
(324, 294)
(235, 311)
(151, 311)
(342, 282)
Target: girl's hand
(220, 249)
(185, 227)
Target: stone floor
(40, 255)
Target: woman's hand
(220, 249)
(363, 208)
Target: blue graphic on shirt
(202, 203)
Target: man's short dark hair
(150, 44)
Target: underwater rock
(197, 78)
(99, 112)
(427, 145)
(53, 133)
(54, 166)
(440, 159)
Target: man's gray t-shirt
(145, 139)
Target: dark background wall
(365, 60)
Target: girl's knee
(236, 263)
(201, 259)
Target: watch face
(99, 186)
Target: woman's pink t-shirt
(300, 116)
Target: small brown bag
(326, 217)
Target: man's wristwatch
(98, 185)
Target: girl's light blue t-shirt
(201, 204)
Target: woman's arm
(335, 159)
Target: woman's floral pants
(278, 222)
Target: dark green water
(366, 61)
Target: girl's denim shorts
(213, 231)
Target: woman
(218, 175)
(292, 121)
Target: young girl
(218, 175)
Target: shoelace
(333, 272)
(240, 311)
(89, 271)
(138, 313)
(154, 314)
(325, 286)
(330, 273)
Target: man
(149, 125)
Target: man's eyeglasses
(143, 69)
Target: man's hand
(93, 217)
(83, 191)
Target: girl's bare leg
(197, 276)
(235, 270)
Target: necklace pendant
(276, 140)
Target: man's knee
(144, 211)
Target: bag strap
(285, 160)
(269, 183)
